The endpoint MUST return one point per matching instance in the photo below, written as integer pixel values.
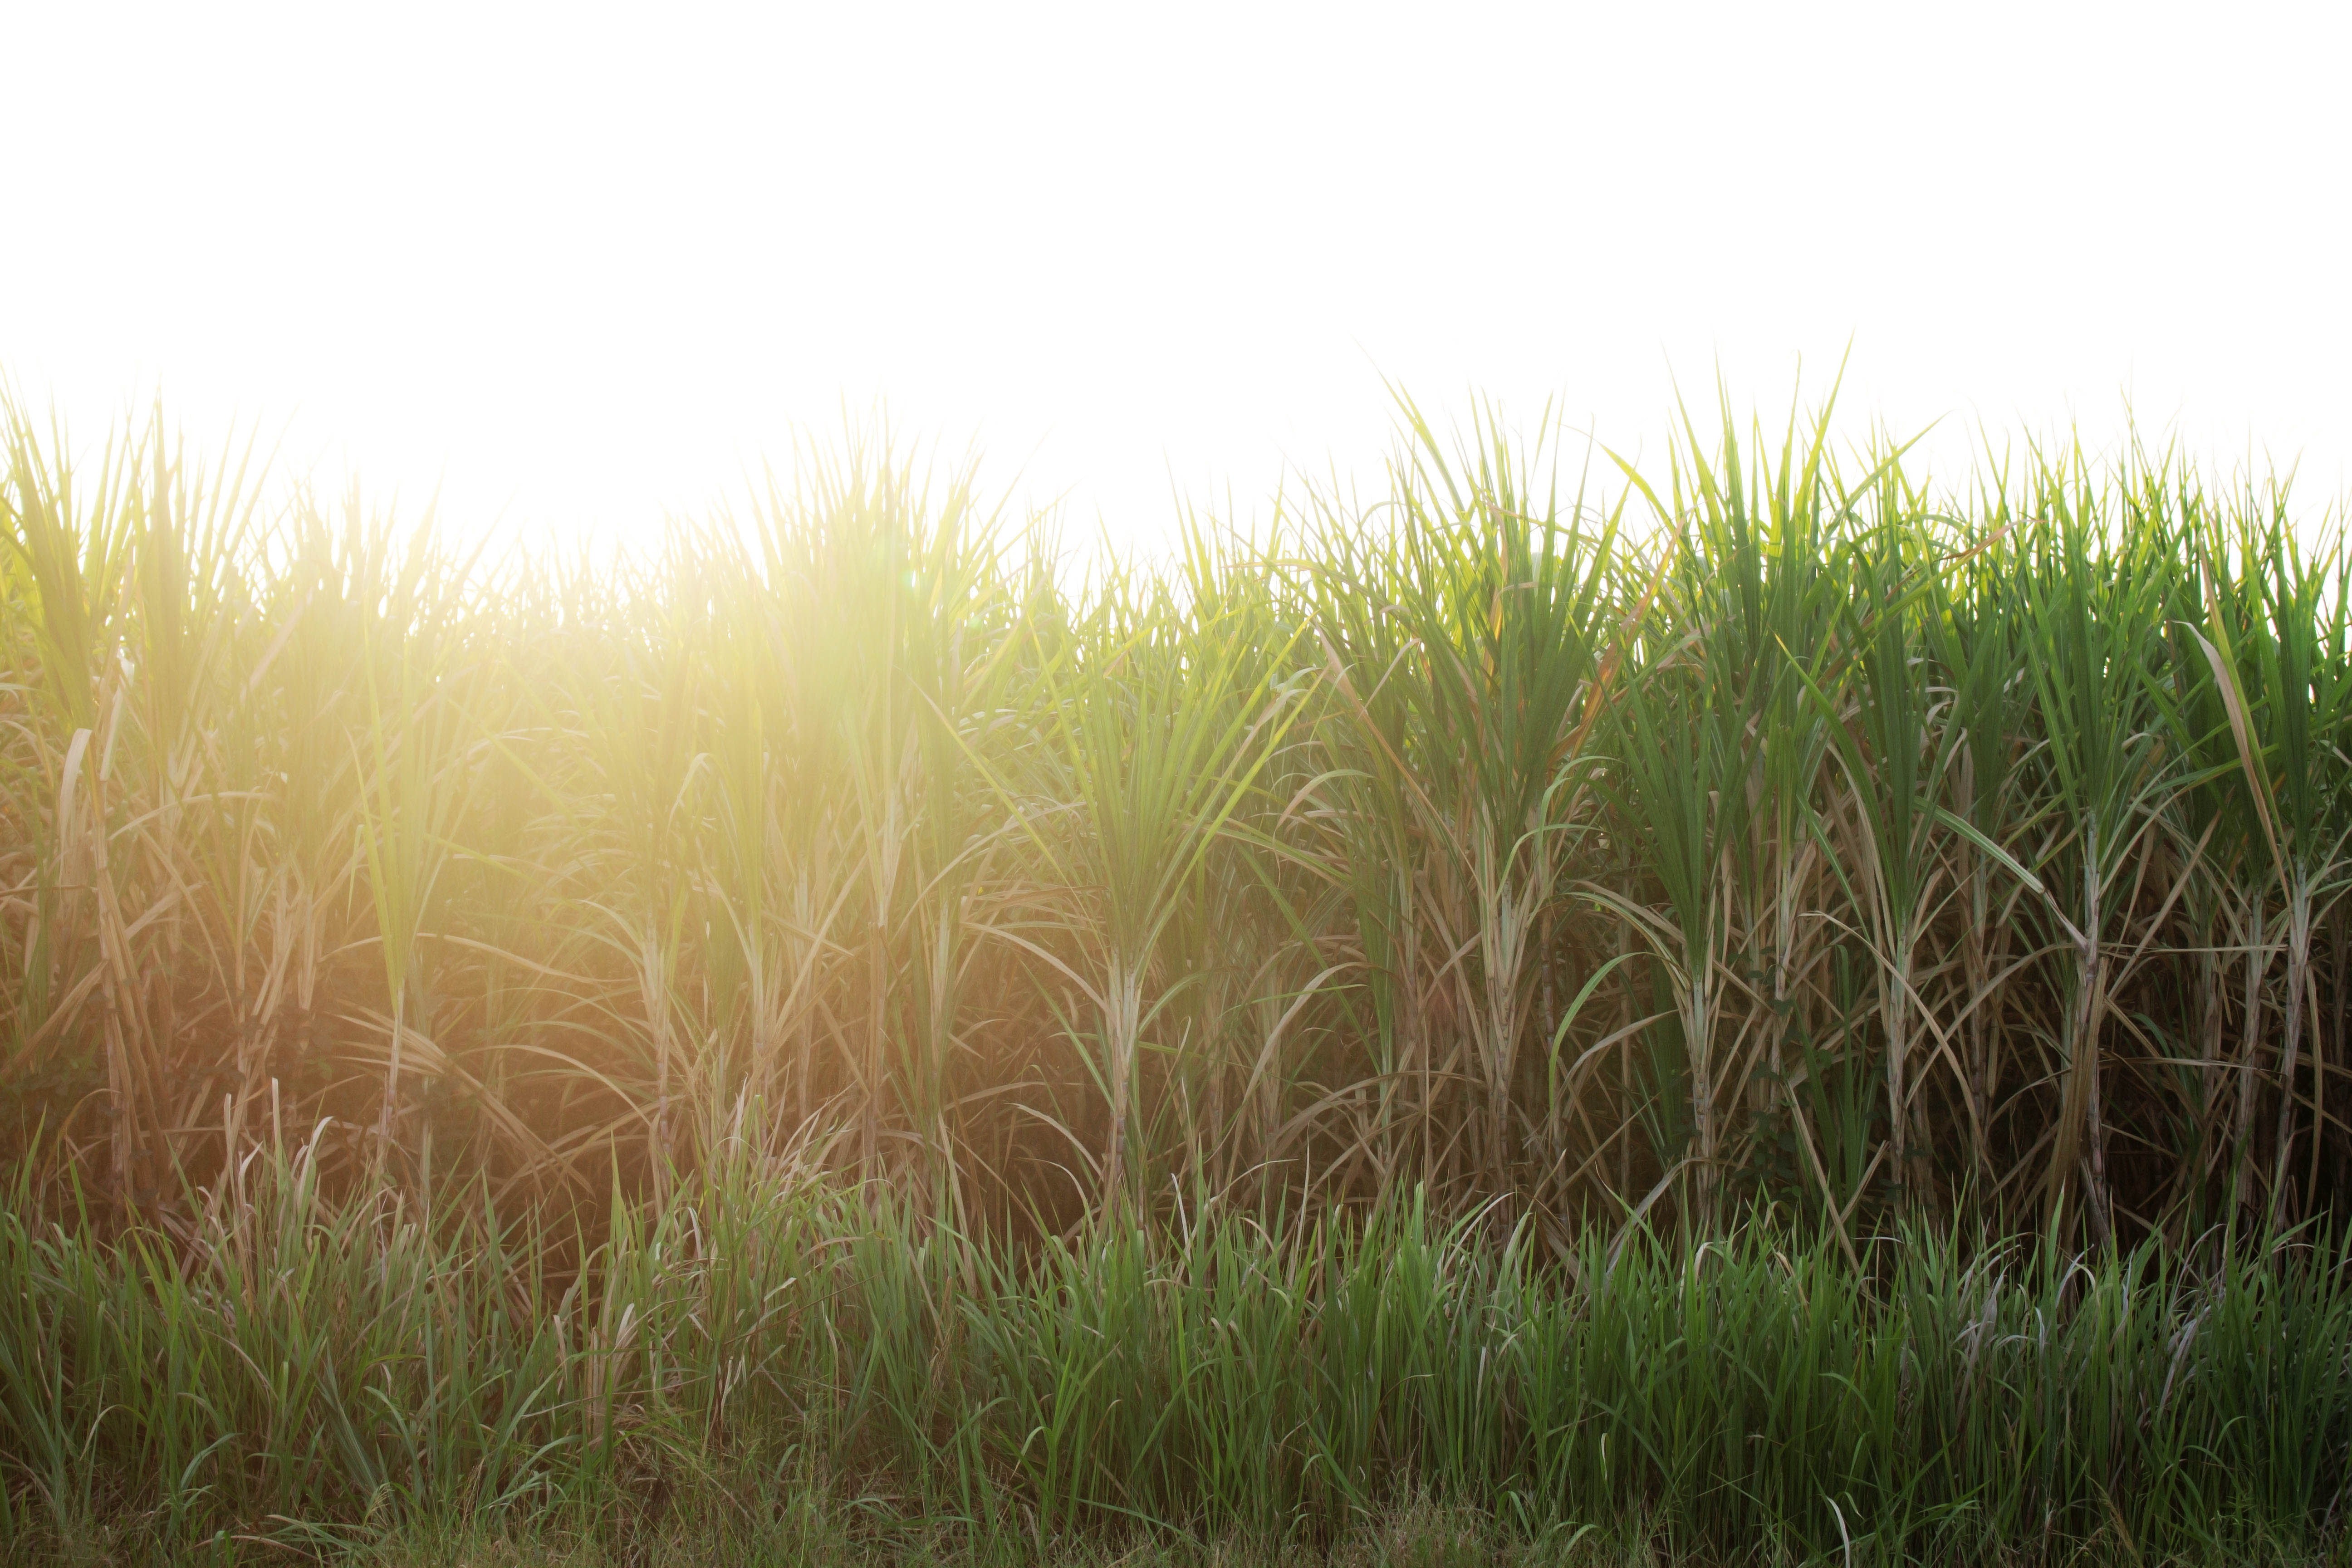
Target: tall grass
(1504, 993)
(1793, 831)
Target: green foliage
(849, 1006)
(316, 1374)
(1770, 827)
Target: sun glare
(578, 267)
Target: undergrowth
(762, 1351)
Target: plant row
(1775, 826)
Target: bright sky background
(577, 264)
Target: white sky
(579, 264)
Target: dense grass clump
(407, 952)
(759, 1348)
